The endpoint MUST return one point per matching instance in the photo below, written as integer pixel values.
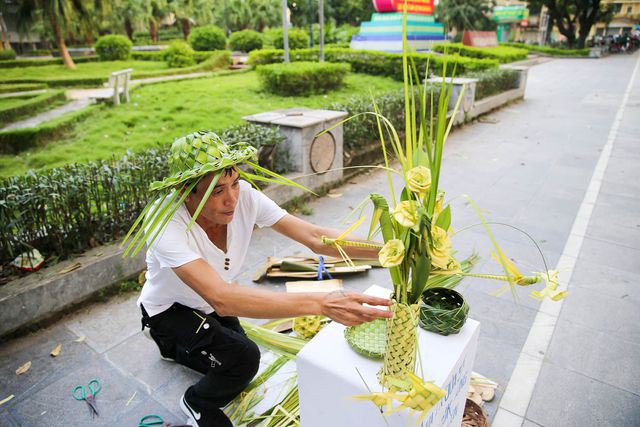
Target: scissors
(79, 393)
(156, 420)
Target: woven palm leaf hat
(191, 158)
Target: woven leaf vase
(443, 311)
(402, 341)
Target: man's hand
(348, 309)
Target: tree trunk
(62, 47)
(128, 28)
(88, 38)
(186, 28)
(587, 18)
(5, 41)
(153, 30)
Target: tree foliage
(574, 18)
(466, 15)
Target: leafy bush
(302, 78)
(377, 63)
(21, 87)
(208, 37)
(266, 140)
(245, 40)
(46, 61)
(164, 35)
(178, 55)
(503, 54)
(113, 48)
(553, 51)
(298, 39)
(491, 82)
(30, 106)
(40, 52)
(7, 54)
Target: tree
(574, 18)
(352, 12)
(59, 15)
(189, 11)
(465, 14)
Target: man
(198, 231)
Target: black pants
(212, 345)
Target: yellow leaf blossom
(419, 180)
(406, 214)
(440, 248)
(392, 253)
(551, 288)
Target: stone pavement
(530, 165)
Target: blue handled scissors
(156, 420)
(79, 393)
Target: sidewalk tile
(566, 398)
(611, 255)
(608, 281)
(612, 360)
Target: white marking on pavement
(517, 396)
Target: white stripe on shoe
(192, 416)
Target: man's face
(220, 206)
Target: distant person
(189, 302)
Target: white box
(327, 378)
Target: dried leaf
(24, 368)
(6, 399)
(80, 339)
(142, 277)
(334, 195)
(56, 351)
(75, 266)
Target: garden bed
(15, 108)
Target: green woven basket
(369, 339)
(443, 311)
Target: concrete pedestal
(329, 374)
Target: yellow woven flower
(551, 288)
(406, 214)
(419, 180)
(440, 248)
(392, 253)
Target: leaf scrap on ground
(56, 351)
(24, 368)
(334, 195)
(80, 339)
(72, 267)
(6, 399)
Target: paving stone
(613, 282)
(55, 402)
(528, 423)
(105, 329)
(145, 405)
(169, 395)
(154, 372)
(6, 420)
(566, 398)
(496, 360)
(45, 369)
(611, 255)
(602, 313)
(613, 360)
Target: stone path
(531, 166)
(69, 107)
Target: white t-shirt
(176, 247)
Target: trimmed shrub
(21, 87)
(377, 63)
(503, 54)
(298, 38)
(492, 82)
(30, 106)
(302, 78)
(208, 37)
(113, 48)
(7, 54)
(245, 40)
(40, 52)
(547, 50)
(45, 61)
(179, 55)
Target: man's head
(219, 207)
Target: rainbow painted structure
(384, 31)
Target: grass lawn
(160, 113)
(85, 70)
(6, 103)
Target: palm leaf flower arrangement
(416, 226)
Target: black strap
(145, 318)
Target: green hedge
(552, 51)
(302, 78)
(30, 106)
(70, 209)
(41, 62)
(15, 141)
(21, 87)
(377, 63)
(7, 55)
(504, 54)
(245, 40)
(179, 55)
(113, 48)
(298, 38)
(207, 37)
(158, 55)
(492, 82)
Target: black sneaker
(196, 418)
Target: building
(626, 18)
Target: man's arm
(234, 300)
(309, 235)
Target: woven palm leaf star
(551, 288)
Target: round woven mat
(368, 339)
(474, 415)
